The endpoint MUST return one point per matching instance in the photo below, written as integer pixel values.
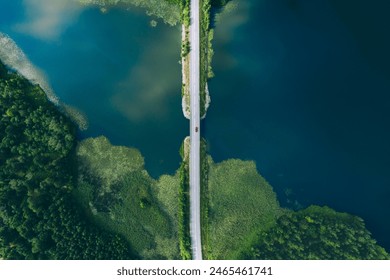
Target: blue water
(303, 88)
(120, 72)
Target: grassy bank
(185, 50)
(241, 204)
(118, 194)
(184, 205)
(204, 199)
(206, 35)
(185, 90)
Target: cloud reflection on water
(47, 19)
(148, 86)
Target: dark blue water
(120, 72)
(303, 88)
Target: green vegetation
(184, 207)
(38, 217)
(167, 10)
(205, 52)
(208, 9)
(204, 199)
(246, 222)
(241, 204)
(185, 12)
(185, 48)
(210, 53)
(317, 233)
(167, 192)
(118, 194)
(56, 197)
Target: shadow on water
(214, 13)
(217, 6)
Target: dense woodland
(317, 233)
(38, 216)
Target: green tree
(38, 215)
(317, 233)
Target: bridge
(194, 168)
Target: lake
(123, 74)
(302, 88)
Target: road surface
(195, 133)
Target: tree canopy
(38, 216)
(317, 233)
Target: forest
(317, 233)
(39, 218)
(65, 199)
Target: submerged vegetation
(167, 10)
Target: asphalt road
(195, 132)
